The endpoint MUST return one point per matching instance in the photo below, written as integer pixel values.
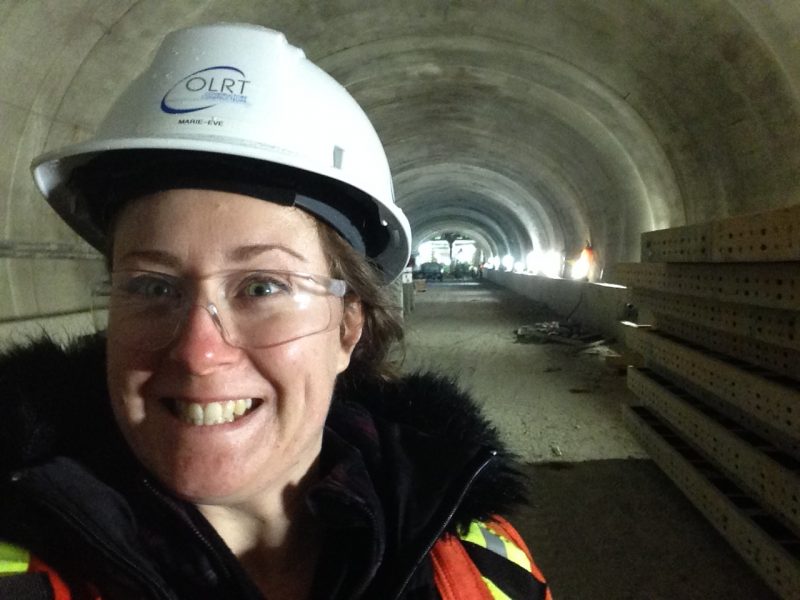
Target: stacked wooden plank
(719, 398)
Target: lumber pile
(718, 399)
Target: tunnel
(527, 131)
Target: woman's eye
(263, 288)
(151, 287)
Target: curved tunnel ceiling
(461, 138)
(534, 125)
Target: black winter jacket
(402, 462)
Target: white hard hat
(241, 96)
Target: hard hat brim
(53, 174)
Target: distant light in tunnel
(580, 268)
(493, 262)
(552, 264)
(532, 262)
(434, 251)
(464, 251)
(547, 263)
(508, 262)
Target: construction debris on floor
(562, 332)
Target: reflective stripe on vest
(13, 559)
(503, 561)
(496, 592)
(480, 535)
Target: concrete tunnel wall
(528, 126)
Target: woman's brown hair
(382, 337)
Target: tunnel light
(464, 251)
(425, 250)
(532, 262)
(493, 262)
(580, 268)
(508, 262)
(518, 267)
(551, 265)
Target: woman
(248, 438)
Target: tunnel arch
(595, 120)
(553, 168)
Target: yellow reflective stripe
(496, 592)
(478, 533)
(474, 535)
(13, 559)
(513, 552)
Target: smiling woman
(237, 431)
(217, 351)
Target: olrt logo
(204, 89)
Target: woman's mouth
(212, 413)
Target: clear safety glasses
(146, 310)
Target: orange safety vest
(510, 575)
(16, 561)
(456, 575)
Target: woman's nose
(200, 344)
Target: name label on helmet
(212, 121)
(206, 88)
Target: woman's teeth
(213, 413)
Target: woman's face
(192, 234)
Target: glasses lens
(267, 308)
(145, 309)
(254, 309)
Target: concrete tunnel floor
(604, 521)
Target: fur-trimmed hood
(54, 402)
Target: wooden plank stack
(719, 397)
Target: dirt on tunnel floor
(604, 521)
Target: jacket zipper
(373, 523)
(132, 570)
(108, 551)
(175, 509)
(487, 457)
